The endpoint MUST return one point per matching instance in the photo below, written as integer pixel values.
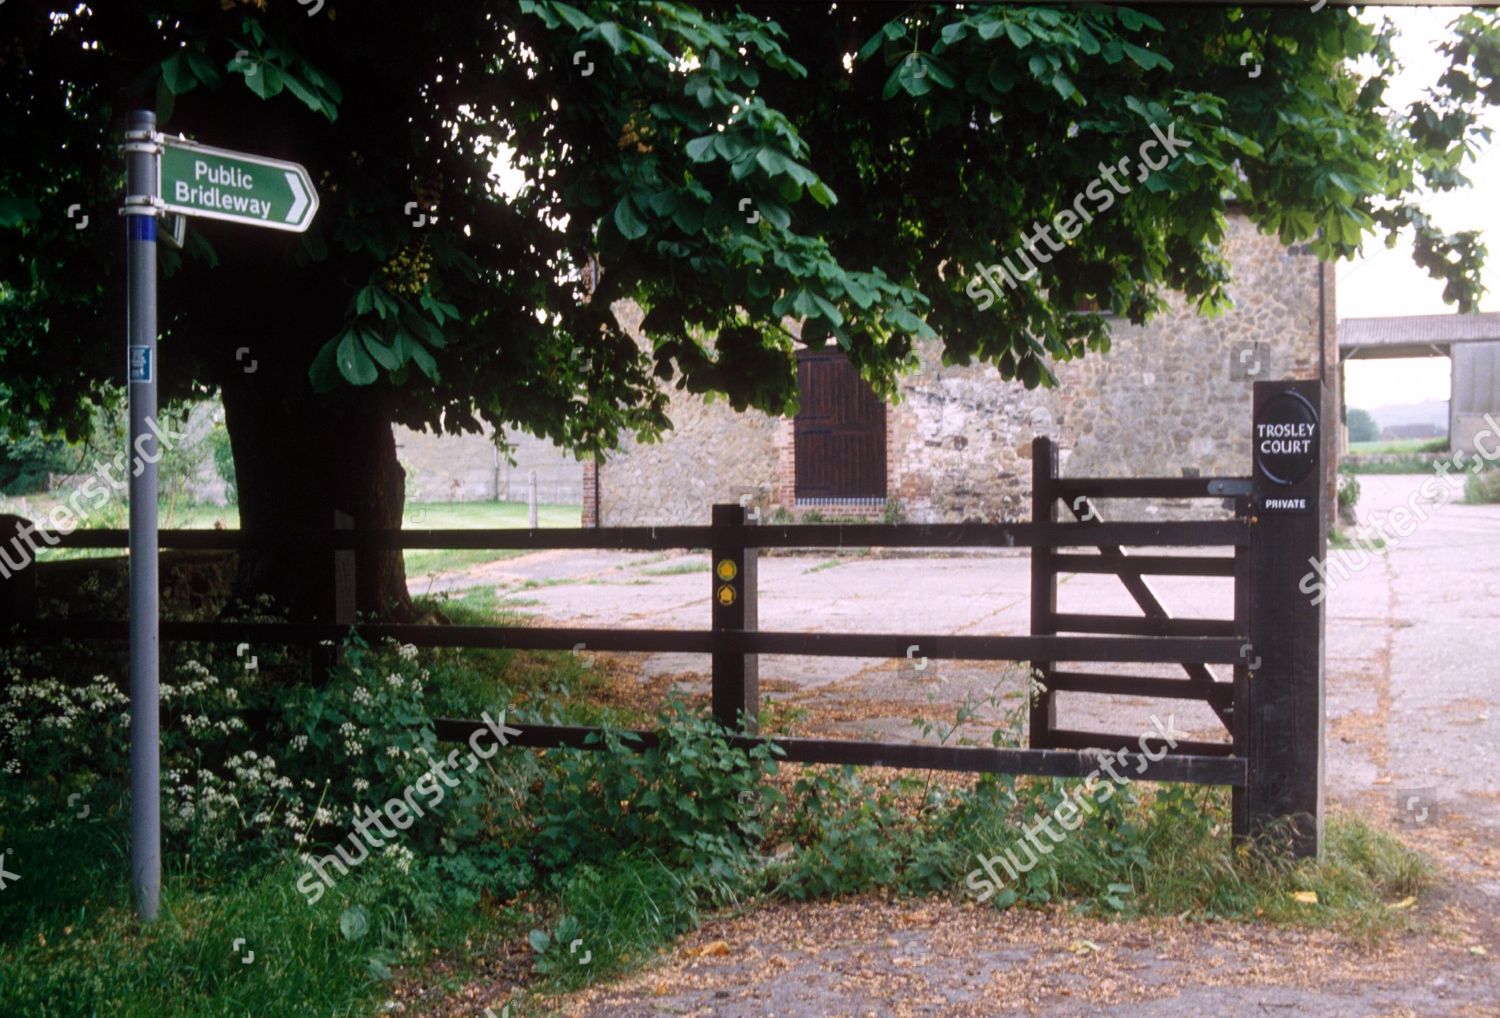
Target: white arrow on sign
(299, 197)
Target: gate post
(1283, 732)
(1043, 591)
(736, 675)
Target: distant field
(475, 516)
(1399, 445)
(418, 516)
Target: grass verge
(593, 860)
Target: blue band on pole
(142, 227)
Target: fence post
(1239, 718)
(18, 590)
(1289, 532)
(531, 500)
(1043, 590)
(736, 675)
(342, 602)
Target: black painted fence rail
(1120, 639)
(861, 535)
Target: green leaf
(247, 65)
(776, 214)
(576, 19)
(1134, 20)
(992, 27)
(385, 304)
(628, 221)
(770, 160)
(354, 364)
(954, 32)
(383, 355)
(614, 36)
(323, 372)
(701, 149)
(269, 82)
(166, 102)
(913, 76)
(425, 361)
(1145, 58)
(872, 46)
(540, 940)
(425, 330)
(438, 309)
(175, 72)
(829, 310)
(310, 99)
(203, 68)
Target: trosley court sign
(1286, 437)
(215, 183)
(1286, 450)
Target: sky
(1385, 281)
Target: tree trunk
(298, 460)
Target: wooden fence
(1271, 702)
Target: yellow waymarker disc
(726, 595)
(727, 570)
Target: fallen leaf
(717, 948)
(1476, 949)
(1382, 781)
(1084, 946)
(1403, 903)
(1306, 897)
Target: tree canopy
(730, 168)
(1362, 426)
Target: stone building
(473, 468)
(1471, 342)
(1172, 398)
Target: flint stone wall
(1170, 398)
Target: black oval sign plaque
(1286, 438)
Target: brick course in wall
(1168, 399)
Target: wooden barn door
(840, 430)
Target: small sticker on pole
(140, 365)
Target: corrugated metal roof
(1408, 329)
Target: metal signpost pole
(210, 183)
(142, 152)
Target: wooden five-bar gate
(1270, 652)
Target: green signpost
(170, 179)
(215, 183)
